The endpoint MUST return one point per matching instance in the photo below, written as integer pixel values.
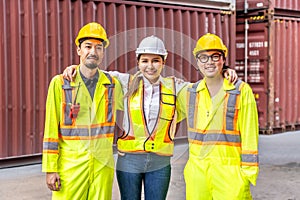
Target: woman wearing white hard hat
(151, 113)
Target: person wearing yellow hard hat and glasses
(151, 112)
(79, 125)
(222, 130)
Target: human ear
(78, 51)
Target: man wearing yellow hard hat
(79, 124)
(222, 130)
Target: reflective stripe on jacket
(91, 132)
(229, 130)
(138, 138)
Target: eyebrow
(90, 43)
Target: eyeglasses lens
(214, 57)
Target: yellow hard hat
(208, 42)
(92, 30)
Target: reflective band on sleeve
(250, 158)
(50, 145)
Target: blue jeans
(152, 169)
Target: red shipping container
(272, 68)
(37, 39)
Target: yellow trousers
(83, 177)
(208, 180)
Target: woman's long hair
(134, 85)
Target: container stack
(38, 42)
(268, 31)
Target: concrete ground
(279, 177)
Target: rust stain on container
(37, 40)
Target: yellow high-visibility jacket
(223, 140)
(92, 131)
(136, 137)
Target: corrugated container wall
(273, 56)
(37, 40)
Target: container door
(255, 72)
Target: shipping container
(271, 43)
(280, 7)
(37, 39)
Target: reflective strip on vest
(85, 132)
(110, 89)
(230, 113)
(215, 137)
(68, 98)
(192, 103)
(68, 90)
(231, 105)
(227, 134)
(69, 132)
(160, 140)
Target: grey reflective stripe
(215, 137)
(50, 145)
(68, 96)
(192, 102)
(250, 158)
(84, 132)
(231, 104)
(110, 89)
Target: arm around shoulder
(119, 96)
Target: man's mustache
(93, 57)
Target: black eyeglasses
(214, 57)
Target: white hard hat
(152, 45)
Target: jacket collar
(102, 77)
(226, 85)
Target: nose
(151, 65)
(92, 50)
